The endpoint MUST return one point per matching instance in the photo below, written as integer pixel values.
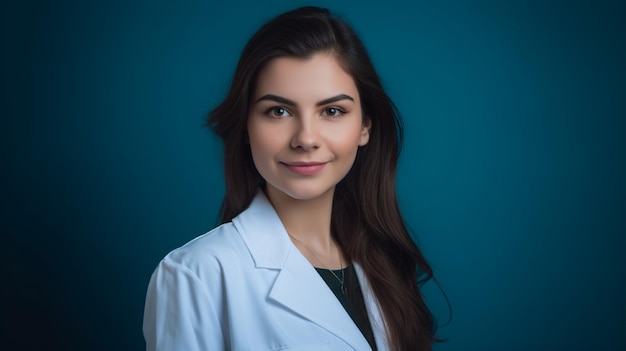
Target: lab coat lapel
(298, 287)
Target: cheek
(346, 140)
(262, 144)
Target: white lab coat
(245, 286)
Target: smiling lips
(305, 168)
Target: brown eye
(333, 112)
(277, 111)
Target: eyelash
(270, 111)
(338, 112)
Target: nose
(306, 135)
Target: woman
(313, 253)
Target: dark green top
(351, 298)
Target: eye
(333, 112)
(277, 111)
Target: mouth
(305, 168)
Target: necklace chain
(323, 265)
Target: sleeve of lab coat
(180, 313)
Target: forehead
(305, 80)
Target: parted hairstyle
(366, 221)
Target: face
(305, 126)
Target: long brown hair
(366, 220)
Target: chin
(305, 194)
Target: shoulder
(254, 238)
(186, 291)
(210, 252)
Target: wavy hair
(366, 220)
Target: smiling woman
(306, 144)
(313, 253)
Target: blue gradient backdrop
(511, 178)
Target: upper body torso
(245, 286)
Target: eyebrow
(282, 100)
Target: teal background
(511, 178)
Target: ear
(365, 131)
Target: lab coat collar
(298, 287)
(263, 233)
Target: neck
(309, 222)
